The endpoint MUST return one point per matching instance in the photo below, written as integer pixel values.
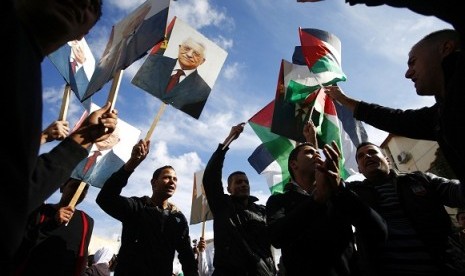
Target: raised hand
(138, 154)
(98, 126)
(327, 173)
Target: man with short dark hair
(242, 246)
(436, 66)
(153, 227)
(413, 206)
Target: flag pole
(204, 203)
(203, 228)
(230, 139)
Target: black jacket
(150, 236)
(241, 240)
(422, 197)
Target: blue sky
(257, 34)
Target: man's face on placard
(191, 54)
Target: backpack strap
(82, 249)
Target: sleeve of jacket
(450, 191)
(413, 123)
(212, 183)
(185, 253)
(447, 10)
(110, 200)
(53, 169)
(306, 214)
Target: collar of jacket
(251, 198)
(293, 186)
(171, 207)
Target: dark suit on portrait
(78, 81)
(100, 171)
(189, 96)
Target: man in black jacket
(241, 243)
(413, 206)
(153, 228)
(436, 65)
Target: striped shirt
(404, 254)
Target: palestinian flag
(333, 121)
(270, 158)
(321, 52)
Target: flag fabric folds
(298, 99)
(270, 158)
(321, 52)
(330, 128)
(200, 211)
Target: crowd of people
(391, 223)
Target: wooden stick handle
(115, 88)
(155, 121)
(65, 103)
(77, 194)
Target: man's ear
(229, 188)
(293, 165)
(448, 47)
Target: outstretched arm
(213, 172)
(109, 198)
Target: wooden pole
(77, 194)
(115, 88)
(155, 121)
(65, 103)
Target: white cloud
(126, 5)
(200, 13)
(223, 42)
(231, 71)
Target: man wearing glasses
(176, 81)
